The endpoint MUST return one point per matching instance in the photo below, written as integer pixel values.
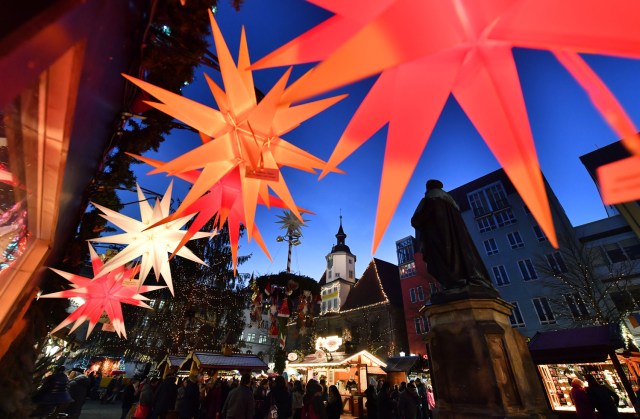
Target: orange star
(428, 49)
(246, 135)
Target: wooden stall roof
(210, 360)
(340, 358)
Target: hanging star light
(150, 243)
(242, 134)
(102, 294)
(223, 201)
(428, 49)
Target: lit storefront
(564, 355)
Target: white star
(151, 244)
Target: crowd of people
(247, 398)
(252, 398)
(596, 397)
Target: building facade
(367, 313)
(514, 249)
(417, 286)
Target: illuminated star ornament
(223, 202)
(152, 244)
(241, 135)
(102, 294)
(428, 49)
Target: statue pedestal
(480, 366)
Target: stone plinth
(481, 366)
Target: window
(491, 207)
(576, 305)
(350, 261)
(539, 233)
(527, 270)
(486, 224)
(420, 293)
(404, 250)
(324, 306)
(262, 339)
(516, 316)
(251, 337)
(329, 304)
(623, 251)
(335, 303)
(350, 274)
(505, 217)
(556, 263)
(491, 247)
(335, 289)
(433, 288)
(543, 309)
(161, 304)
(500, 275)
(515, 240)
(337, 275)
(407, 270)
(419, 324)
(412, 294)
(329, 275)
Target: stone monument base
(480, 365)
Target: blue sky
(564, 124)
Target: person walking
(297, 396)
(164, 398)
(240, 403)
(53, 395)
(409, 402)
(431, 400)
(190, 403)
(313, 405)
(386, 406)
(584, 408)
(130, 396)
(372, 400)
(260, 396)
(334, 403)
(603, 399)
(281, 398)
(79, 390)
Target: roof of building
(459, 194)
(379, 284)
(340, 358)
(323, 279)
(401, 363)
(234, 361)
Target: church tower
(339, 275)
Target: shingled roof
(380, 283)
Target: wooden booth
(350, 373)
(563, 355)
(170, 364)
(217, 364)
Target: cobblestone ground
(92, 409)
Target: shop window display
(557, 382)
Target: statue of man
(447, 247)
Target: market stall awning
(587, 344)
(339, 358)
(217, 361)
(375, 370)
(401, 363)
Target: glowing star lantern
(427, 49)
(242, 134)
(151, 244)
(101, 294)
(224, 201)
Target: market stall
(599, 351)
(350, 373)
(405, 368)
(216, 364)
(171, 364)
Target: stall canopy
(587, 344)
(339, 358)
(401, 363)
(170, 363)
(216, 361)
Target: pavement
(92, 409)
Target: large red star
(102, 293)
(428, 49)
